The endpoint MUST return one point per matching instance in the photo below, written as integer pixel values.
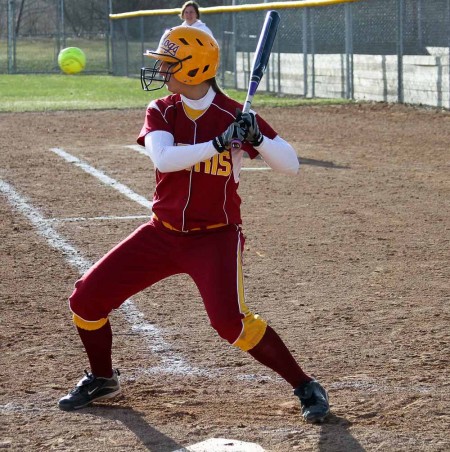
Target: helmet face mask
(153, 78)
(191, 56)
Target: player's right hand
(248, 121)
(234, 132)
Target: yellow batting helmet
(192, 56)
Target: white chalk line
(137, 148)
(101, 218)
(363, 386)
(71, 255)
(140, 149)
(155, 341)
(171, 364)
(109, 181)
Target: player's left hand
(234, 132)
(249, 122)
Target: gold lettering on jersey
(206, 163)
(218, 165)
(215, 164)
(224, 164)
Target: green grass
(87, 92)
(70, 92)
(40, 55)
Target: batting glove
(248, 121)
(234, 132)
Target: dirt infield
(348, 261)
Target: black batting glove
(248, 121)
(235, 132)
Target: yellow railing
(230, 9)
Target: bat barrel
(261, 58)
(265, 43)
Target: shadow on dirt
(312, 162)
(322, 163)
(336, 437)
(151, 438)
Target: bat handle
(236, 144)
(247, 103)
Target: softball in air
(71, 60)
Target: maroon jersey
(204, 195)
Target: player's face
(173, 85)
(190, 15)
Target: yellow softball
(71, 60)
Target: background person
(195, 228)
(190, 14)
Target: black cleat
(90, 389)
(313, 400)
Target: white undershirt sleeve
(159, 145)
(279, 155)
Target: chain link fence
(383, 50)
(33, 32)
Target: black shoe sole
(72, 407)
(316, 420)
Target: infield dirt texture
(348, 261)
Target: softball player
(196, 223)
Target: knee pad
(249, 331)
(254, 328)
(88, 324)
(80, 310)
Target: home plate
(222, 445)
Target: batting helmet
(192, 56)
